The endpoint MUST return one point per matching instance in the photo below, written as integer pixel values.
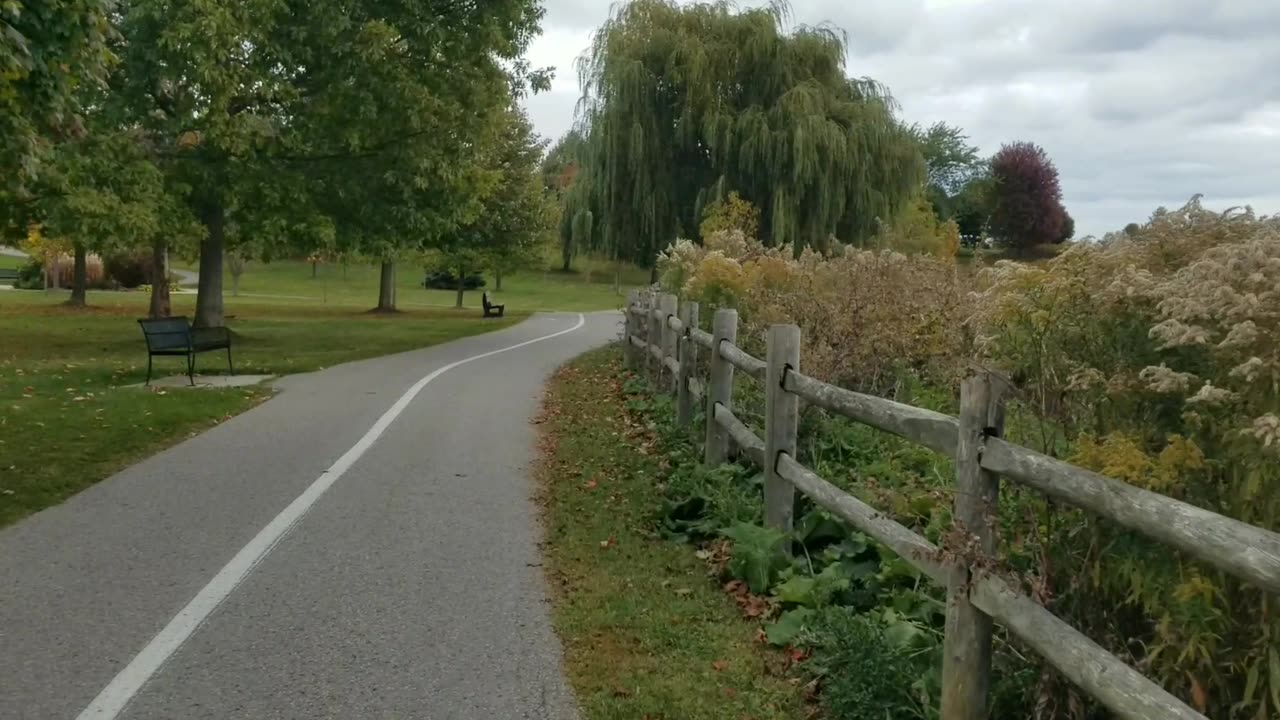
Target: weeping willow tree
(682, 104)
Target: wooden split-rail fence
(663, 338)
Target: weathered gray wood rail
(976, 596)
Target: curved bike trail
(362, 545)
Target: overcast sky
(1141, 103)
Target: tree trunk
(497, 280)
(566, 253)
(313, 270)
(79, 276)
(209, 308)
(387, 288)
(160, 302)
(462, 281)
(653, 275)
(235, 264)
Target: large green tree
(684, 103)
(50, 50)
(256, 104)
(513, 206)
(519, 210)
(104, 194)
(101, 191)
(391, 207)
(950, 159)
(953, 165)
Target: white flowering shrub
(1152, 358)
(1161, 351)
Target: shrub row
(1151, 356)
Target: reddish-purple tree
(1027, 198)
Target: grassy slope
(647, 634)
(65, 423)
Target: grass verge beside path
(647, 634)
(66, 422)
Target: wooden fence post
(781, 422)
(669, 304)
(719, 390)
(966, 659)
(688, 358)
(629, 331)
(652, 339)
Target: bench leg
(148, 369)
(231, 370)
(191, 369)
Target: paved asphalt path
(410, 589)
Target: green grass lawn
(292, 281)
(646, 633)
(66, 422)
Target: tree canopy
(513, 206)
(685, 103)
(49, 51)
(277, 112)
(560, 164)
(949, 158)
(1026, 205)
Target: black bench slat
(210, 338)
(491, 310)
(175, 337)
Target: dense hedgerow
(866, 316)
(1152, 356)
(1157, 354)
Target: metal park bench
(175, 337)
(491, 310)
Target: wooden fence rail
(662, 336)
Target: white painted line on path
(116, 695)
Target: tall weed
(1159, 354)
(1152, 357)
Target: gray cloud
(1141, 103)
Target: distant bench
(491, 310)
(175, 337)
(8, 276)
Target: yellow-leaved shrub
(865, 316)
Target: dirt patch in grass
(647, 633)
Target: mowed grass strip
(356, 285)
(647, 634)
(66, 421)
